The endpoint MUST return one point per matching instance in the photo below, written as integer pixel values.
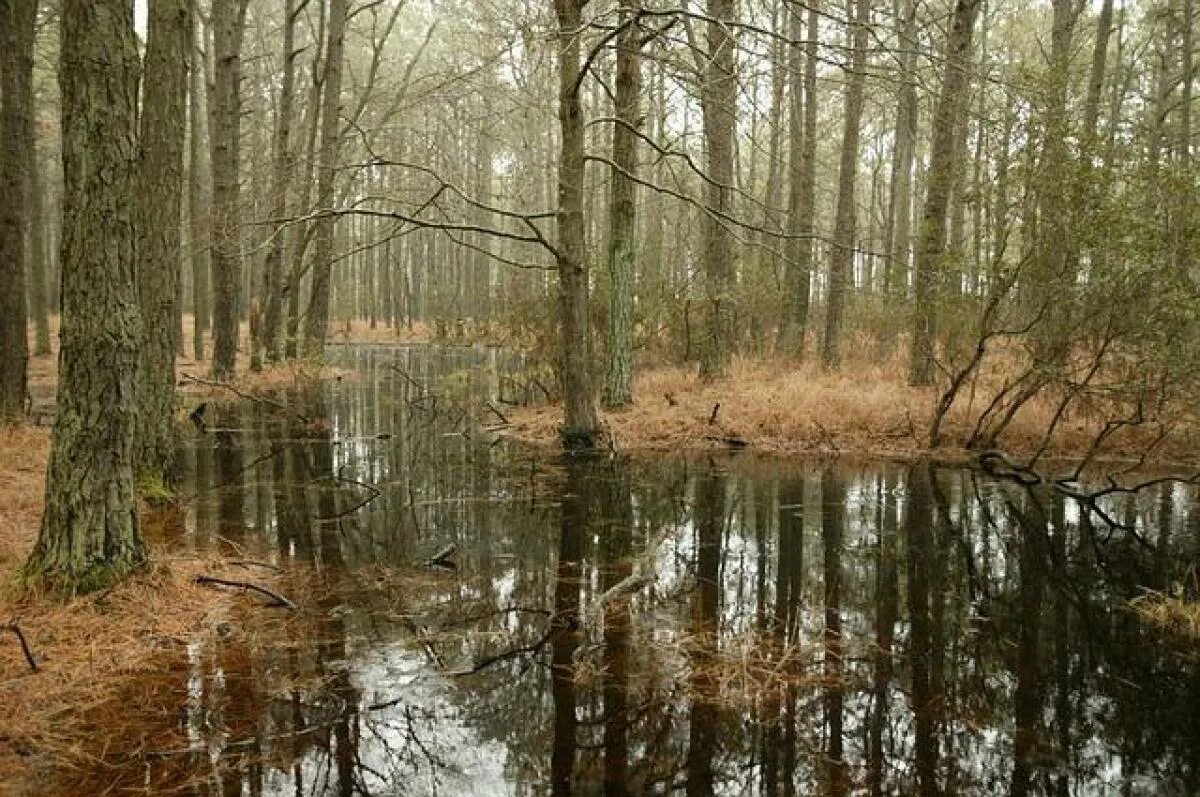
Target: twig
(247, 396)
(375, 492)
(249, 563)
(498, 413)
(16, 629)
(444, 558)
(275, 596)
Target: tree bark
(199, 210)
(580, 427)
(281, 177)
(228, 21)
(89, 535)
(17, 20)
(842, 259)
(718, 100)
(300, 234)
(316, 323)
(159, 207)
(618, 372)
(39, 256)
(802, 173)
(899, 224)
(931, 245)
(1091, 112)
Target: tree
(17, 20)
(899, 214)
(931, 242)
(228, 25)
(317, 321)
(618, 373)
(198, 205)
(159, 208)
(842, 257)
(282, 165)
(580, 426)
(802, 176)
(89, 534)
(718, 101)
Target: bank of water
(476, 618)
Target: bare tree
(228, 25)
(281, 177)
(931, 243)
(618, 373)
(718, 101)
(317, 320)
(802, 175)
(580, 426)
(198, 205)
(842, 258)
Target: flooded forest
(712, 397)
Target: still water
(480, 619)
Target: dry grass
(1173, 613)
(865, 409)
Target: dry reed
(865, 409)
(1172, 613)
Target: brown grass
(1172, 613)
(865, 409)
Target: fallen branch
(246, 585)
(498, 413)
(444, 558)
(257, 399)
(16, 629)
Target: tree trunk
(842, 259)
(159, 197)
(301, 232)
(1091, 112)
(718, 100)
(802, 150)
(931, 245)
(618, 372)
(198, 206)
(228, 21)
(899, 224)
(580, 427)
(281, 176)
(39, 257)
(89, 535)
(316, 323)
(17, 20)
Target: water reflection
(824, 628)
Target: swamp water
(477, 619)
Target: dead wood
(278, 599)
(16, 629)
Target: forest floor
(90, 650)
(98, 657)
(864, 410)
